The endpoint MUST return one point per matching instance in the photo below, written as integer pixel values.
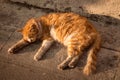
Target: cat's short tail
(92, 57)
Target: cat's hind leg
(74, 61)
(75, 49)
(65, 63)
(72, 54)
(78, 49)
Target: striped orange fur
(69, 29)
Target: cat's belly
(66, 39)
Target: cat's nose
(29, 40)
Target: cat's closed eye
(32, 30)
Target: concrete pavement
(21, 66)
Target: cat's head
(31, 31)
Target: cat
(70, 29)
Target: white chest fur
(53, 33)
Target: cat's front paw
(10, 51)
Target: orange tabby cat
(72, 30)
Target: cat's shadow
(52, 51)
(105, 62)
(30, 48)
(33, 48)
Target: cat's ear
(19, 30)
(33, 21)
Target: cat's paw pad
(62, 66)
(10, 51)
(37, 58)
(71, 65)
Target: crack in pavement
(110, 49)
(32, 6)
(7, 40)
